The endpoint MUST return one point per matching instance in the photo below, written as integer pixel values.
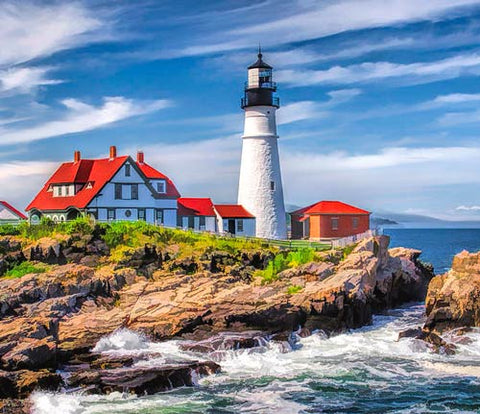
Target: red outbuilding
(329, 220)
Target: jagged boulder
(453, 299)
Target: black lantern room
(260, 88)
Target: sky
(380, 99)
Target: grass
(23, 269)
(283, 261)
(291, 290)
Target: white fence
(346, 241)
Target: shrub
(9, 230)
(81, 225)
(283, 261)
(292, 289)
(23, 269)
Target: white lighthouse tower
(260, 187)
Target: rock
(31, 353)
(439, 345)
(453, 299)
(143, 380)
(226, 341)
(20, 384)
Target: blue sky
(380, 98)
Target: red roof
(195, 207)
(95, 172)
(13, 210)
(232, 211)
(154, 174)
(329, 207)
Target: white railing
(346, 241)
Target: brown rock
(453, 299)
(31, 353)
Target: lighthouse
(260, 186)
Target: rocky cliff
(53, 319)
(453, 299)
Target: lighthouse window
(272, 185)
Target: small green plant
(283, 261)
(291, 290)
(9, 230)
(347, 251)
(23, 269)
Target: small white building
(9, 214)
(113, 188)
(197, 214)
(234, 219)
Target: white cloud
(25, 79)
(468, 208)
(21, 180)
(81, 117)
(421, 72)
(31, 30)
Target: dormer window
(64, 190)
(161, 187)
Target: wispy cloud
(421, 72)
(31, 30)
(80, 117)
(24, 79)
(306, 21)
(468, 208)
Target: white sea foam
(121, 340)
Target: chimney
(140, 157)
(113, 152)
(76, 156)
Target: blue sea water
(438, 246)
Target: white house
(234, 219)
(9, 214)
(113, 188)
(197, 214)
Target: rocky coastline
(50, 322)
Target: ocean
(362, 371)
(438, 246)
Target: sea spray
(121, 340)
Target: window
(134, 192)
(272, 185)
(67, 190)
(355, 222)
(141, 214)
(128, 213)
(127, 170)
(118, 191)
(239, 225)
(191, 222)
(161, 187)
(111, 214)
(202, 222)
(334, 223)
(159, 216)
(59, 190)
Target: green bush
(283, 261)
(23, 269)
(292, 289)
(81, 225)
(9, 230)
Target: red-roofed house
(234, 219)
(197, 214)
(113, 188)
(329, 219)
(9, 214)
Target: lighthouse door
(231, 226)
